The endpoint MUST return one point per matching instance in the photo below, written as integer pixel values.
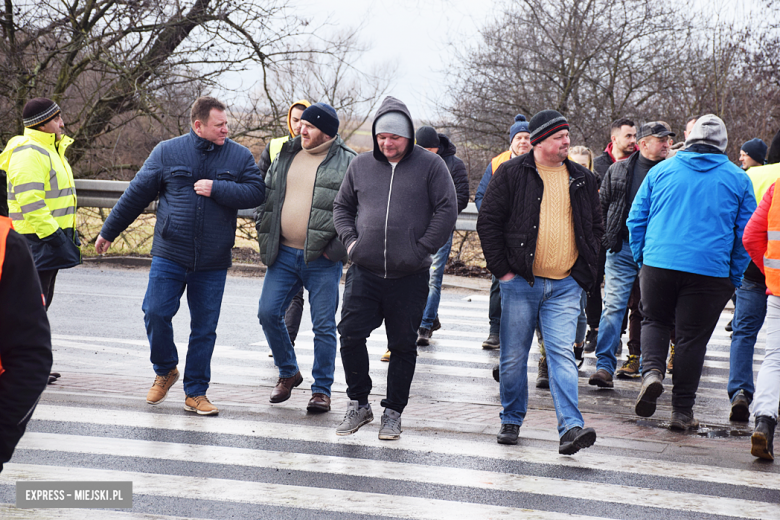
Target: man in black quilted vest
(540, 227)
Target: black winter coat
(457, 169)
(614, 195)
(508, 222)
(600, 166)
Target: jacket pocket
(226, 176)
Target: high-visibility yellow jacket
(41, 191)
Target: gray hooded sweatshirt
(396, 216)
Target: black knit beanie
(756, 150)
(39, 111)
(324, 117)
(546, 123)
(427, 137)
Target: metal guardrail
(105, 194)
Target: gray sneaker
(354, 418)
(391, 425)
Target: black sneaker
(492, 342)
(496, 373)
(423, 335)
(740, 407)
(576, 439)
(590, 340)
(436, 324)
(683, 420)
(729, 328)
(652, 387)
(543, 377)
(508, 434)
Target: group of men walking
(550, 230)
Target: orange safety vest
(5, 227)
(498, 160)
(772, 255)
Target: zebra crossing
(257, 460)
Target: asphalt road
(257, 460)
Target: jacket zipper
(387, 210)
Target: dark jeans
(634, 320)
(691, 303)
(368, 300)
(494, 307)
(292, 318)
(593, 308)
(47, 279)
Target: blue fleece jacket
(689, 215)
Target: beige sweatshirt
(556, 249)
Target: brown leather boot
(284, 386)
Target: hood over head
(303, 102)
(446, 147)
(391, 104)
(773, 156)
(709, 130)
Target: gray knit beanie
(394, 123)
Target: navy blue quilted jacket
(194, 231)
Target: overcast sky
(414, 34)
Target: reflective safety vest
(5, 227)
(41, 191)
(498, 160)
(275, 146)
(772, 255)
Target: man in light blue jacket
(685, 227)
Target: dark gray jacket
(613, 196)
(320, 232)
(396, 217)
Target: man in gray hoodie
(396, 207)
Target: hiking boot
(159, 390)
(201, 405)
(670, 364)
(508, 434)
(740, 407)
(630, 368)
(492, 342)
(601, 379)
(391, 425)
(385, 357)
(543, 377)
(497, 373)
(591, 338)
(354, 418)
(423, 335)
(578, 350)
(652, 387)
(319, 403)
(576, 439)
(283, 389)
(436, 324)
(763, 437)
(683, 420)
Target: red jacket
(755, 236)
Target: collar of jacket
(575, 170)
(204, 144)
(47, 139)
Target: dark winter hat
(324, 117)
(773, 157)
(427, 137)
(756, 149)
(395, 123)
(710, 130)
(546, 123)
(39, 111)
(654, 128)
(520, 125)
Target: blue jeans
(620, 273)
(434, 284)
(167, 281)
(282, 282)
(555, 305)
(749, 314)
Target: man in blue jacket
(685, 227)
(201, 179)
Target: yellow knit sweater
(556, 250)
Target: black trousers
(292, 318)
(593, 306)
(494, 306)
(691, 304)
(368, 300)
(47, 279)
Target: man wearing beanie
(440, 144)
(42, 205)
(519, 144)
(201, 180)
(540, 227)
(396, 207)
(691, 260)
(298, 243)
(753, 153)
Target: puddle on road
(720, 434)
(703, 431)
